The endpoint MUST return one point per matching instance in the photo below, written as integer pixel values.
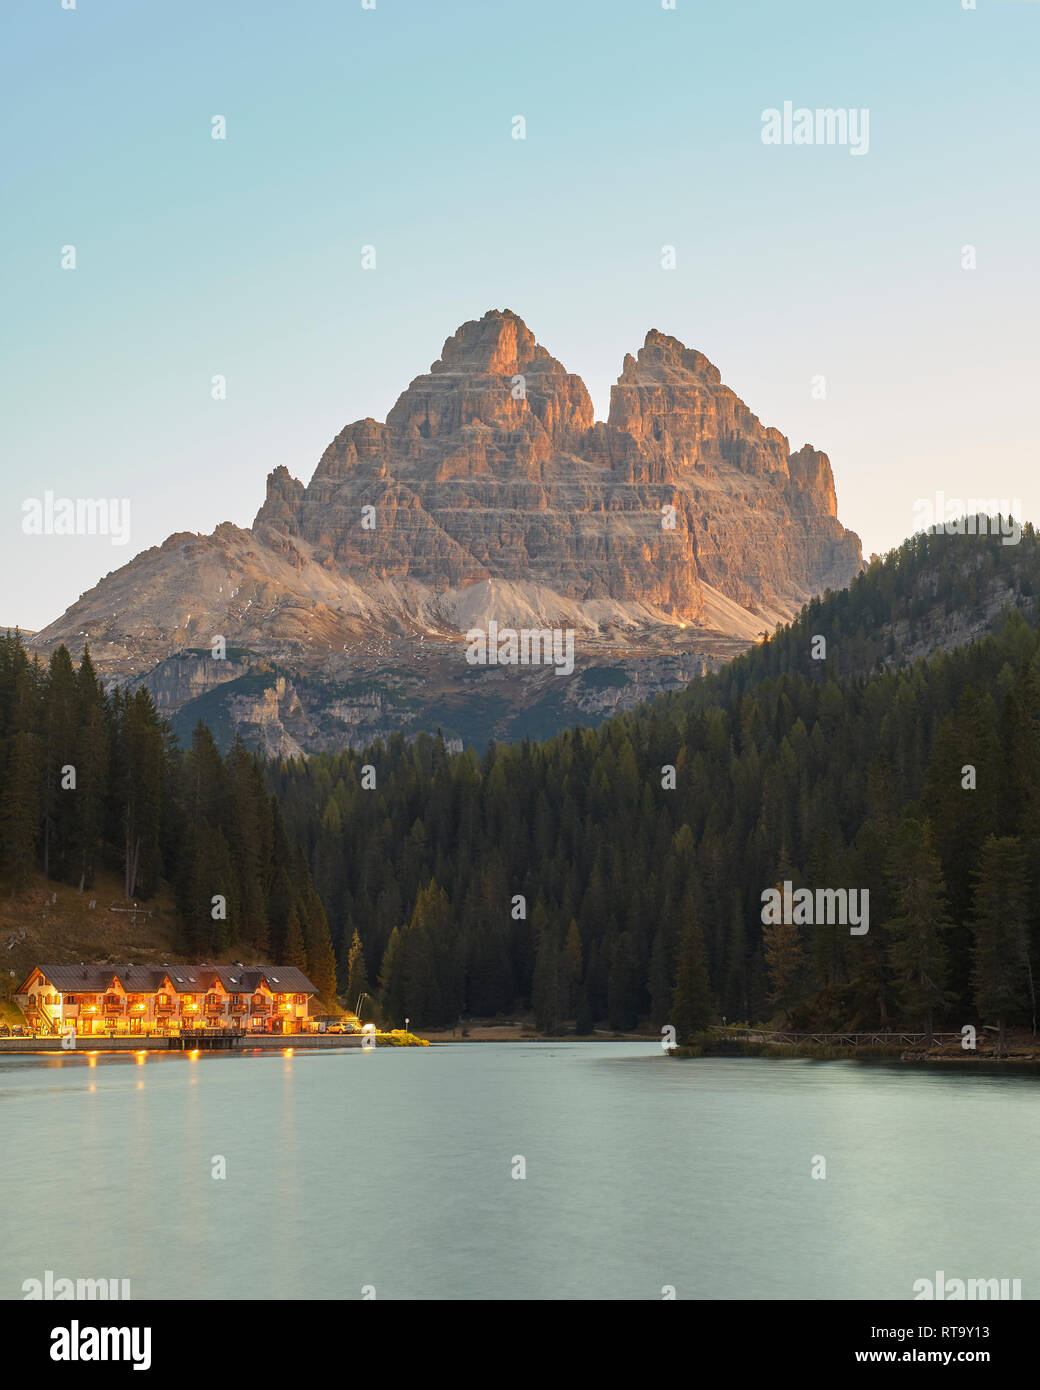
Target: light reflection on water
(641, 1172)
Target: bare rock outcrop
(491, 492)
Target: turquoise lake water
(392, 1171)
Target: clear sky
(392, 127)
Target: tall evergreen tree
(549, 985)
(693, 1008)
(785, 962)
(919, 924)
(357, 975)
(294, 952)
(1003, 970)
(19, 810)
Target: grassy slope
(33, 928)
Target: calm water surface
(392, 1168)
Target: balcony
(116, 1008)
(161, 1008)
(238, 1008)
(262, 1008)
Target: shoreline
(509, 1032)
(288, 1042)
(438, 1040)
(896, 1055)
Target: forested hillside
(781, 772)
(616, 875)
(932, 593)
(90, 780)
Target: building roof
(91, 978)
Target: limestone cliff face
(672, 402)
(491, 492)
(490, 467)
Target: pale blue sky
(392, 127)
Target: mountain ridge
(491, 492)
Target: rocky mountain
(667, 538)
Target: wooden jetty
(208, 1040)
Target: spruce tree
(919, 924)
(391, 980)
(357, 975)
(549, 982)
(19, 810)
(573, 967)
(294, 952)
(1000, 912)
(693, 1008)
(785, 962)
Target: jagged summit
(474, 382)
(499, 343)
(663, 358)
(491, 491)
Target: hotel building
(127, 999)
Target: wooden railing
(875, 1039)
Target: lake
(393, 1170)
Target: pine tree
(785, 962)
(19, 810)
(248, 812)
(693, 1008)
(573, 967)
(735, 995)
(547, 990)
(294, 952)
(391, 980)
(918, 927)
(660, 983)
(91, 777)
(430, 995)
(1000, 911)
(624, 995)
(321, 964)
(584, 1024)
(143, 744)
(357, 975)
(58, 803)
(211, 927)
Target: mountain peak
(491, 371)
(490, 467)
(663, 358)
(499, 344)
